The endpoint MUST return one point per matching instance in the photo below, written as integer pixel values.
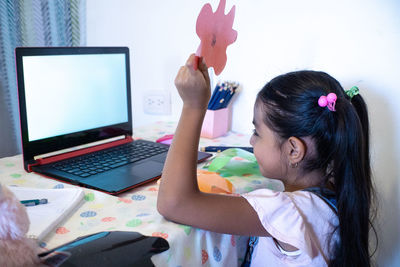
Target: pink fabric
(301, 219)
(15, 248)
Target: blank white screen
(70, 93)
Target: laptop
(76, 119)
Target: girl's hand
(193, 83)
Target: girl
(309, 134)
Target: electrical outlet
(157, 103)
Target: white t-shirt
(301, 219)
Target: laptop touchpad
(146, 170)
(160, 158)
(126, 176)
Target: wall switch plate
(157, 103)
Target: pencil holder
(216, 123)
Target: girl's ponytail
(359, 104)
(352, 176)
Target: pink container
(216, 123)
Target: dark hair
(341, 141)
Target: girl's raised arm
(179, 197)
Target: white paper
(45, 217)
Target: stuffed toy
(15, 248)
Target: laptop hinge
(79, 152)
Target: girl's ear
(296, 150)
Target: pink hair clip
(329, 100)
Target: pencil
(219, 103)
(222, 95)
(218, 96)
(228, 98)
(214, 95)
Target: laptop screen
(72, 95)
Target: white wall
(356, 41)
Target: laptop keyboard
(101, 161)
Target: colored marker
(34, 202)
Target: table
(136, 210)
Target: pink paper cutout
(216, 33)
